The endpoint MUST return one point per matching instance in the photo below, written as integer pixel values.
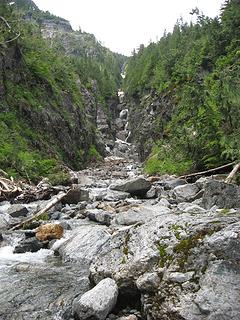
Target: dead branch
(50, 204)
(17, 35)
(6, 23)
(207, 171)
(233, 173)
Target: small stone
(148, 282)
(49, 231)
(180, 277)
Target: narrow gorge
(115, 196)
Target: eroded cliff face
(60, 127)
(148, 118)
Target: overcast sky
(123, 25)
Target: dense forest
(182, 93)
(193, 75)
(51, 86)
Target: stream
(41, 285)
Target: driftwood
(207, 171)
(50, 204)
(8, 188)
(233, 173)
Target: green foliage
(165, 159)
(59, 176)
(93, 154)
(198, 66)
(44, 83)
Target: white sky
(124, 24)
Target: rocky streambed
(132, 248)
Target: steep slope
(50, 97)
(185, 92)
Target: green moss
(176, 230)
(184, 247)
(43, 217)
(165, 258)
(225, 211)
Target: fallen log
(233, 173)
(50, 204)
(202, 173)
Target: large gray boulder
(136, 187)
(192, 254)
(221, 194)
(75, 196)
(97, 303)
(84, 244)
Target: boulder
(49, 231)
(186, 193)
(84, 244)
(98, 302)
(17, 210)
(76, 195)
(99, 216)
(136, 187)
(221, 194)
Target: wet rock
(29, 245)
(76, 195)
(186, 193)
(221, 194)
(49, 231)
(148, 282)
(17, 210)
(136, 187)
(98, 302)
(4, 221)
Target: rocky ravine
(147, 250)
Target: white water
(7, 255)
